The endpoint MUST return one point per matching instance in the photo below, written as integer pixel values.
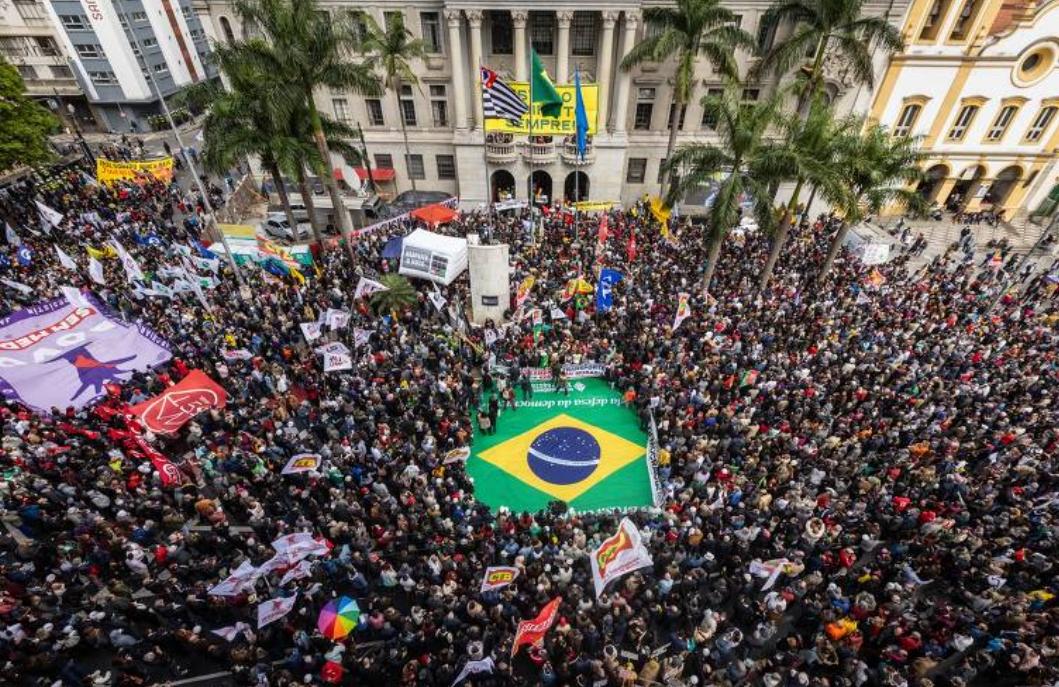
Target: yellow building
(979, 83)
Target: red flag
(532, 631)
(630, 248)
(603, 229)
(169, 411)
(170, 474)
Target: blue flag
(151, 239)
(274, 266)
(607, 279)
(25, 256)
(580, 117)
(203, 251)
(5, 261)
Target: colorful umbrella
(338, 617)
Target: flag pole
(485, 151)
(529, 144)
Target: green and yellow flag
(543, 90)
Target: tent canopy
(435, 214)
(438, 258)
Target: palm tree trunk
(714, 254)
(809, 203)
(345, 224)
(404, 133)
(281, 190)
(836, 244)
(307, 198)
(814, 78)
(674, 119)
(780, 239)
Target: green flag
(543, 90)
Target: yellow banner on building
(109, 171)
(546, 126)
(596, 205)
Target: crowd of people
(877, 504)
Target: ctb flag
(498, 577)
(532, 631)
(619, 554)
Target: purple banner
(55, 354)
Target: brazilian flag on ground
(585, 449)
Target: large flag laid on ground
(532, 631)
(499, 101)
(542, 89)
(170, 410)
(54, 354)
(618, 554)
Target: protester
(858, 472)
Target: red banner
(168, 412)
(532, 631)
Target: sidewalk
(187, 130)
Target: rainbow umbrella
(338, 617)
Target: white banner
(238, 354)
(95, 270)
(485, 665)
(619, 554)
(335, 362)
(336, 319)
(302, 570)
(274, 609)
(311, 330)
(361, 337)
(303, 462)
(65, 260)
(366, 287)
(335, 347)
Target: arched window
(226, 27)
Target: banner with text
(110, 171)
(566, 124)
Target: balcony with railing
(500, 148)
(569, 152)
(540, 150)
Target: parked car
(277, 226)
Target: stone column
(621, 100)
(474, 19)
(459, 79)
(518, 20)
(606, 56)
(562, 57)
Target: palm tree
(308, 48)
(399, 295)
(824, 26)
(876, 170)
(746, 157)
(393, 47)
(691, 29)
(810, 148)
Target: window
(542, 28)
(963, 122)
(709, 114)
(31, 12)
(439, 105)
(431, 25)
(390, 19)
(669, 117)
(384, 160)
(13, 46)
(226, 28)
(1001, 123)
(907, 119)
(26, 71)
(501, 32)
(61, 71)
(446, 166)
(583, 34)
(149, 42)
(88, 50)
(965, 20)
(1040, 123)
(46, 47)
(139, 16)
(935, 18)
(357, 25)
(661, 170)
(415, 167)
(750, 95)
(102, 78)
(341, 110)
(408, 106)
(160, 68)
(645, 106)
(637, 170)
(197, 34)
(186, 11)
(73, 22)
(766, 34)
(375, 112)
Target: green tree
(876, 171)
(692, 29)
(826, 27)
(393, 47)
(745, 161)
(809, 145)
(400, 294)
(308, 48)
(24, 124)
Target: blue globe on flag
(563, 455)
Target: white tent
(438, 258)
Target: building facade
(115, 46)
(979, 84)
(30, 42)
(451, 151)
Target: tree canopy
(24, 124)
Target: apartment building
(979, 84)
(451, 150)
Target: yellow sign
(109, 171)
(239, 231)
(546, 126)
(596, 205)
